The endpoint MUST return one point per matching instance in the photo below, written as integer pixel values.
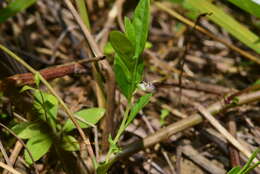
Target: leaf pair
(128, 46)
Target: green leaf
(234, 170)
(14, 7)
(141, 22)
(137, 107)
(26, 87)
(148, 45)
(123, 77)
(92, 116)
(139, 72)
(69, 143)
(28, 130)
(130, 30)
(108, 49)
(164, 114)
(123, 47)
(38, 146)
(46, 106)
(226, 21)
(248, 5)
(257, 82)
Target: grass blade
(227, 22)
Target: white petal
(256, 1)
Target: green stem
(120, 130)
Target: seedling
(128, 68)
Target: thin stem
(122, 126)
(120, 130)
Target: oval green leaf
(91, 116)
(38, 146)
(69, 143)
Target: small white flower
(256, 1)
(146, 86)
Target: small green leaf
(13, 7)
(26, 87)
(92, 116)
(234, 170)
(69, 143)
(139, 72)
(38, 146)
(141, 22)
(137, 107)
(108, 49)
(113, 146)
(257, 82)
(148, 45)
(46, 106)
(130, 30)
(164, 114)
(123, 47)
(28, 130)
(123, 77)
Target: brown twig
(213, 121)
(199, 159)
(3, 151)
(51, 73)
(10, 169)
(17, 149)
(233, 153)
(178, 159)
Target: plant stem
(120, 130)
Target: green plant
(247, 167)
(164, 113)
(45, 129)
(128, 68)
